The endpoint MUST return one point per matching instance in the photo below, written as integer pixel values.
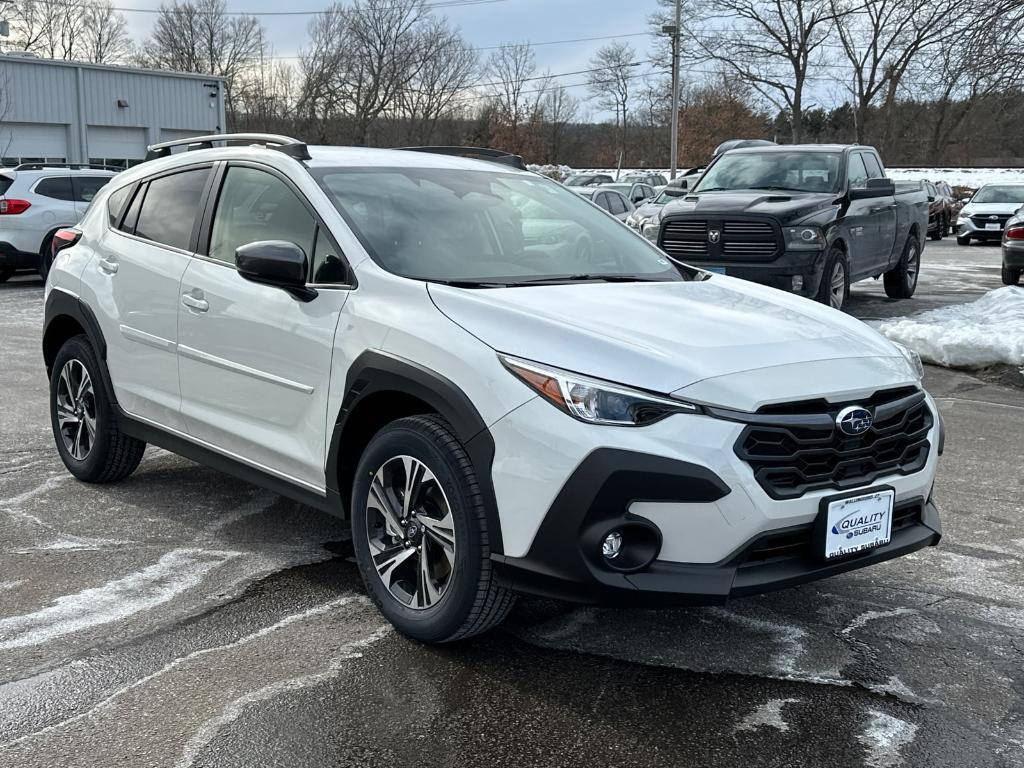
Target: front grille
(981, 219)
(794, 450)
(720, 240)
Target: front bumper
(677, 487)
(967, 228)
(779, 273)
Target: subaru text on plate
(500, 386)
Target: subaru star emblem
(714, 236)
(854, 420)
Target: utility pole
(673, 31)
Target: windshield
(486, 227)
(790, 171)
(585, 179)
(1000, 193)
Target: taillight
(64, 238)
(10, 207)
(1015, 233)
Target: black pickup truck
(809, 219)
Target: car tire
(901, 281)
(947, 228)
(937, 234)
(1010, 275)
(963, 240)
(84, 419)
(433, 581)
(6, 274)
(834, 288)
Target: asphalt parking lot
(183, 618)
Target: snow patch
(884, 737)
(984, 332)
(175, 572)
(790, 638)
(867, 616)
(767, 715)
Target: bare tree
(560, 108)
(441, 82)
(106, 39)
(515, 91)
(610, 84)
(882, 39)
(200, 36)
(772, 45)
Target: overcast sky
(485, 24)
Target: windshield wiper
(587, 277)
(472, 283)
(708, 189)
(781, 189)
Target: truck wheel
(6, 273)
(835, 280)
(963, 240)
(419, 529)
(85, 429)
(937, 234)
(901, 281)
(1011, 275)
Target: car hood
(648, 209)
(660, 336)
(977, 209)
(783, 205)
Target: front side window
(170, 208)
(858, 172)
(486, 227)
(254, 205)
(55, 187)
(774, 170)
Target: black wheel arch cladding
(376, 373)
(66, 315)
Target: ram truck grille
(720, 239)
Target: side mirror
(874, 188)
(931, 198)
(277, 263)
(674, 191)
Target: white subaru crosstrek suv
(403, 338)
(37, 199)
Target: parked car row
(37, 200)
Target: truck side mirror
(874, 188)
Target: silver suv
(36, 200)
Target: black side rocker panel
(373, 372)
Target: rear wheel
(835, 280)
(901, 281)
(1011, 275)
(937, 234)
(420, 535)
(85, 428)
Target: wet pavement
(183, 618)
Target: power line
(318, 12)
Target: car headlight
(913, 358)
(592, 400)
(650, 229)
(804, 239)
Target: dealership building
(71, 112)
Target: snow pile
(974, 335)
(557, 172)
(972, 178)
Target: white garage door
(37, 140)
(107, 141)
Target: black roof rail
(286, 144)
(70, 166)
(475, 153)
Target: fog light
(612, 545)
(798, 282)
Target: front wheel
(1011, 275)
(835, 280)
(963, 240)
(85, 428)
(6, 273)
(901, 281)
(419, 529)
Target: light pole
(672, 30)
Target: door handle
(190, 301)
(108, 266)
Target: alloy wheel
(913, 264)
(76, 410)
(411, 532)
(837, 286)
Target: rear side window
(86, 187)
(115, 204)
(254, 205)
(5, 184)
(616, 203)
(170, 208)
(55, 187)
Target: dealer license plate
(857, 523)
(995, 226)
